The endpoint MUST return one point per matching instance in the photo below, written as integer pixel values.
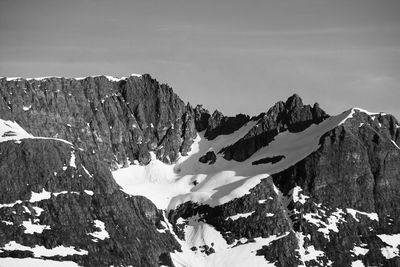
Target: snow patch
(198, 234)
(394, 143)
(352, 111)
(66, 192)
(357, 263)
(297, 196)
(359, 251)
(41, 251)
(8, 79)
(320, 221)
(365, 111)
(26, 108)
(26, 210)
(110, 78)
(102, 234)
(114, 79)
(371, 216)
(239, 215)
(10, 130)
(43, 78)
(36, 197)
(31, 228)
(86, 171)
(307, 253)
(89, 192)
(72, 160)
(9, 205)
(16, 262)
(38, 210)
(392, 250)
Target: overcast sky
(237, 56)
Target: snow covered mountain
(103, 171)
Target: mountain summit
(104, 171)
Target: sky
(230, 55)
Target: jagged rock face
(291, 115)
(357, 166)
(81, 207)
(218, 124)
(332, 206)
(120, 120)
(201, 118)
(335, 204)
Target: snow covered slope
(169, 185)
(10, 130)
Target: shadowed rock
(266, 160)
(209, 158)
(292, 116)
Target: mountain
(104, 171)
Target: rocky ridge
(291, 115)
(122, 120)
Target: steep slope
(120, 119)
(61, 203)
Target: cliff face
(121, 120)
(291, 115)
(290, 187)
(60, 198)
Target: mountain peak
(293, 102)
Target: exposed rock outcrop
(60, 196)
(218, 124)
(291, 115)
(120, 120)
(209, 158)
